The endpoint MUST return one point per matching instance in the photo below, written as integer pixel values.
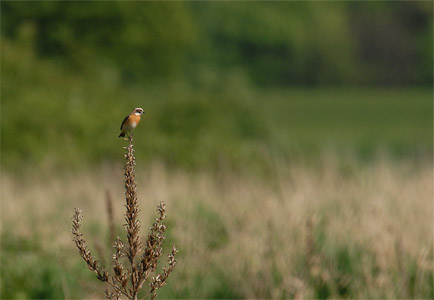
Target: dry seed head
(82, 248)
(160, 280)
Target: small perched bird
(130, 122)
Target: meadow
(336, 230)
(270, 193)
(292, 143)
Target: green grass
(398, 120)
(31, 271)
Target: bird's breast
(134, 120)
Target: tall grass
(338, 230)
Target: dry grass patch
(313, 232)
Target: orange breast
(133, 120)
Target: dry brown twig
(110, 215)
(129, 281)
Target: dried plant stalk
(129, 281)
(84, 251)
(110, 215)
(160, 280)
(133, 224)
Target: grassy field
(362, 120)
(337, 230)
(272, 194)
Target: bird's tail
(122, 134)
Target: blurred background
(291, 141)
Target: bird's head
(138, 111)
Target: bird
(130, 122)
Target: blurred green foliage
(274, 43)
(213, 78)
(51, 117)
(211, 221)
(36, 272)
(124, 39)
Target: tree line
(269, 43)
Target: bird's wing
(123, 122)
